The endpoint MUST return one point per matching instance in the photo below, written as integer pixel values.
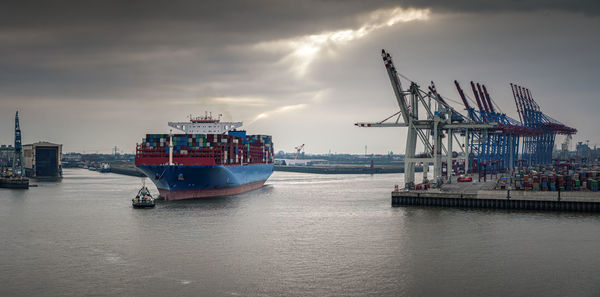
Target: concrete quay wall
(525, 200)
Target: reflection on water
(301, 235)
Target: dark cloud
(122, 46)
(589, 7)
(240, 16)
(91, 49)
(89, 67)
(244, 15)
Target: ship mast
(171, 148)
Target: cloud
(241, 101)
(282, 109)
(99, 66)
(302, 50)
(185, 49)
(588, 7)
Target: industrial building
(43, 160)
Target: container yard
(567, 177)
(573, 186)
(513, 157)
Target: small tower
(18, 157)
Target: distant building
(71, 160)
(43, 160)
(584, 151)
(71, 157)
(280, 154)
(300, 162)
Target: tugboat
(143, 199)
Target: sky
(92, 75)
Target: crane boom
(519, 109)
(485, 105)
(396, 85)
(489, 100)
(298, 150)
(462, 95)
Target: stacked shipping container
(234, 148)
(549, 179)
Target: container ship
(211, 158)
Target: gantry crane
(537, 147)
(439, 120)
(491, 138)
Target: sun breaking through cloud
(304, 49)
(242, 101)
(278, 110)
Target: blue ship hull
(200, 181)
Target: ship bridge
(205, 125)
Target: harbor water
(300, 235)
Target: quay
(14, 183)
(340, 169)
(482, 195)
(126, 169)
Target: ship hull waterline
(192, 182)
(209, 193)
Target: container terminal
(514, 158)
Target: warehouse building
(43, 160)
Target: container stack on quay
(234, 148)
(571, 177)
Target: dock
(14, 183)
(126, 169)
(340, 169)
(482, 195)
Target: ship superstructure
(205, 125)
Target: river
(300, 235)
